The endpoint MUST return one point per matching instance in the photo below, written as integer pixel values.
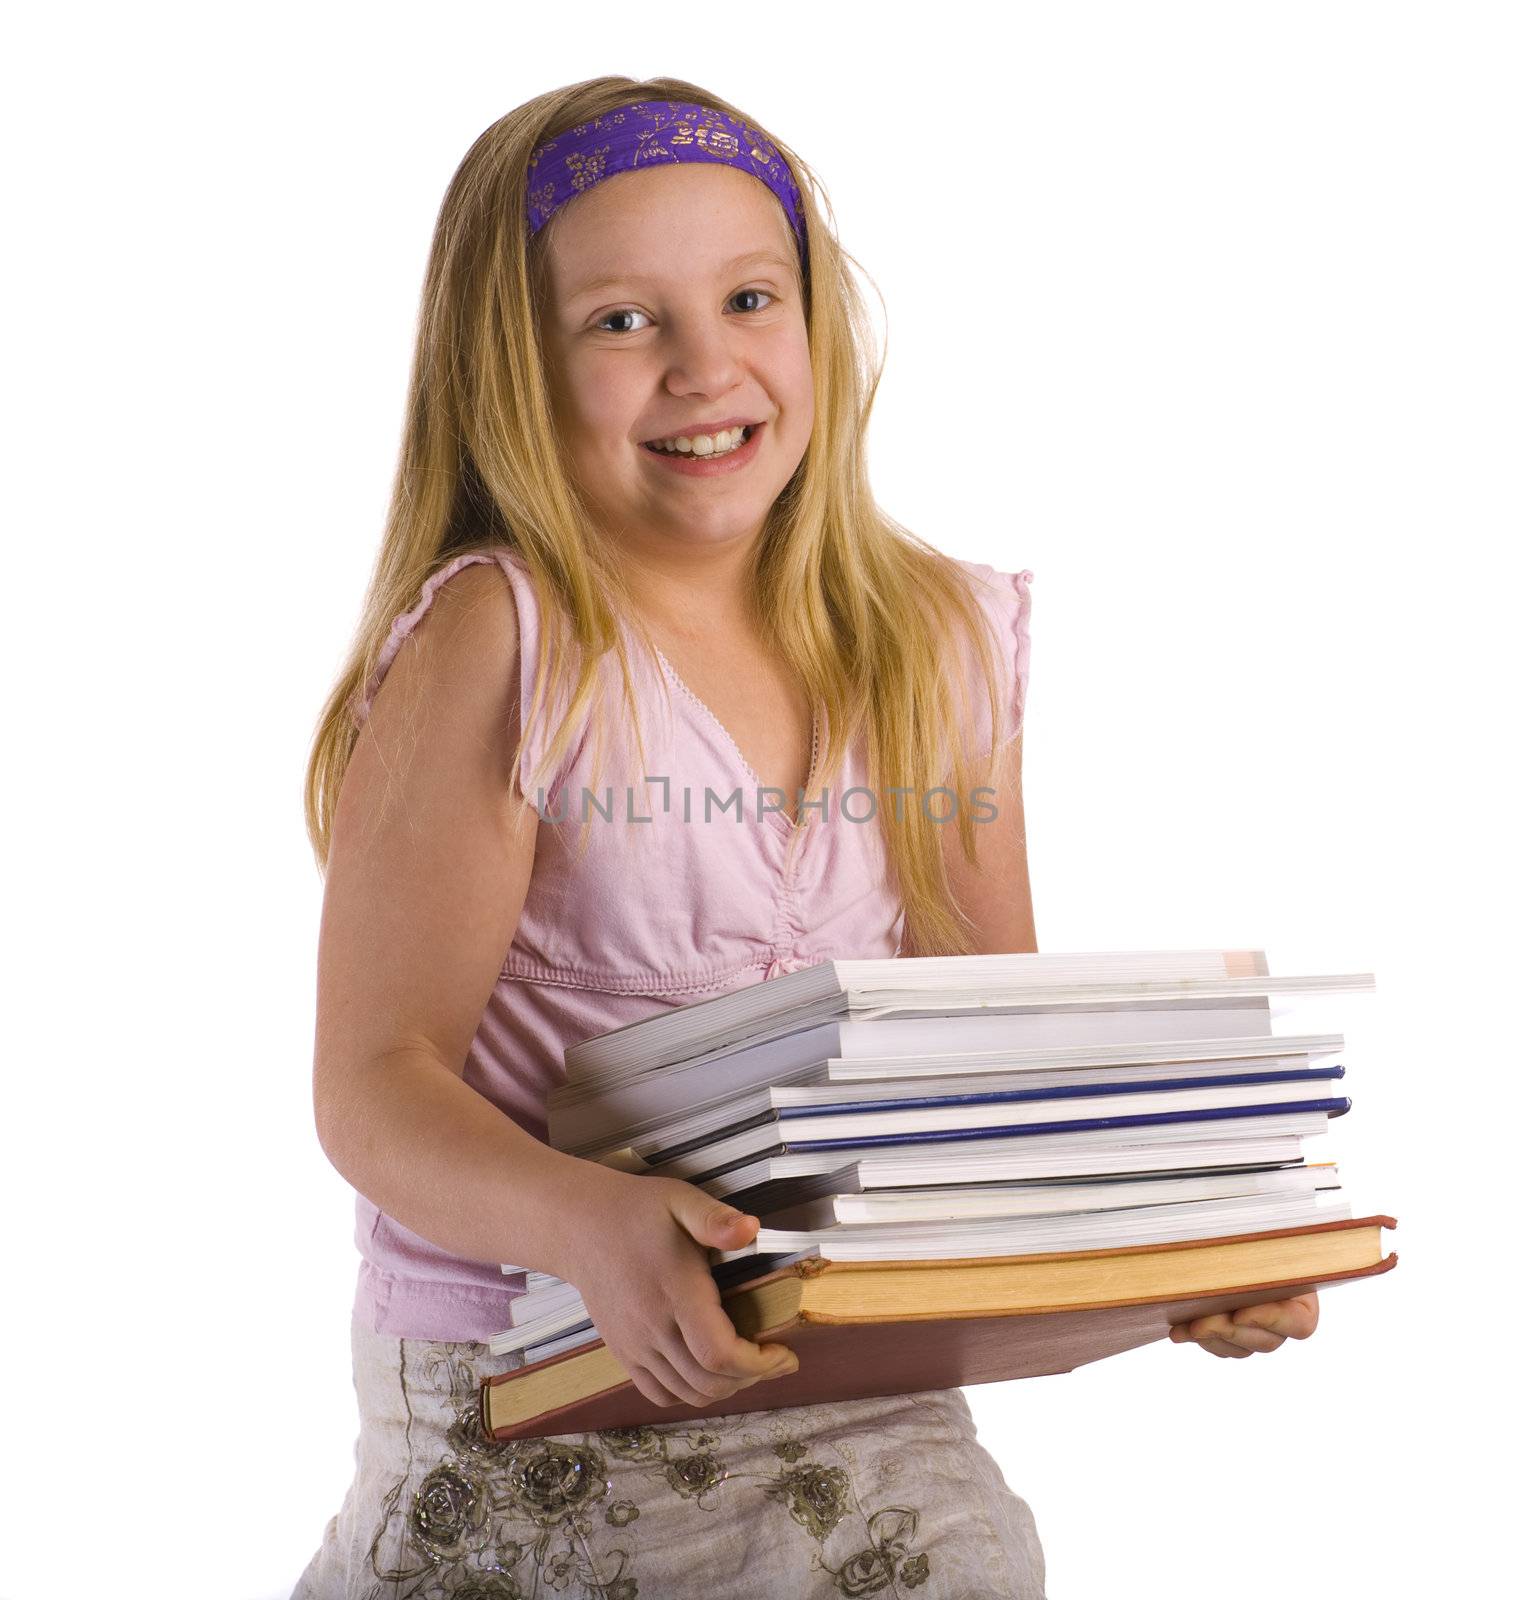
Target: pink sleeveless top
(655, 915)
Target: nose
(703, 361)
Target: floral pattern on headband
(647, 131)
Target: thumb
(712, 1222)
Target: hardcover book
(862, 1329)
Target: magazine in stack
(965, 1168)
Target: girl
(641, 581)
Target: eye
(599, 327)
(631, 311)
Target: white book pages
(830, 988)
(770, 1055)
(534, 1281)
(1147, 1050)
(1033, 1155)
(583, 1334)
(553, 1297)
(950, 1123)
(516, 1338)
(685, 1038)
(790, 1102)
(594, 1115)
(1039, 1235)
(960, 1203)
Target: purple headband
(629, 138)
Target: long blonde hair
(863, 608)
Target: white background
(1202, 312)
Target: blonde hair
(862, 608)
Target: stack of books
(966, 1169)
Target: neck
(689, 590)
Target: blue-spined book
(812, 1128)
(773, 1106)
(1062, 1092)
(1236, 1116)
(1333, 1108)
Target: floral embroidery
(695, 1475)
(470, 1443)
(915, 1571)
(450, 1513)
(817, 1496)
(556, 1482)
(874, 1569)
(868, 1573)
(486, 1586)
(631, 1444)
(893, 1529)
(516, 1520)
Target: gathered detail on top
(517, 969)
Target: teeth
(702, 444)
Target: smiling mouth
(656, 447)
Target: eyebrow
(617, 280)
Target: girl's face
(673, 307)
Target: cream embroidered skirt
(869, 1497)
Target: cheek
(802, 415)
(597, 423)
(799, 385)
(593, 399)
(590, 393)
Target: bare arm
(429, 866)
(995, 892)
(428, 871)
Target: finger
(780, 1361)
(1293, 1319)
(682, 1391)
(1222, 1347)
(1218, 1326)
(706, 1220)
(649, 1387)
(708, 1347)
(1255, 1339)
(704, 1379)
(753, 1364)
(1304, 1312)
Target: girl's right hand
(645, 1279)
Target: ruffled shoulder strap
(528, 610)
(1005, 603)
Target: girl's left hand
(1252, 1328)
